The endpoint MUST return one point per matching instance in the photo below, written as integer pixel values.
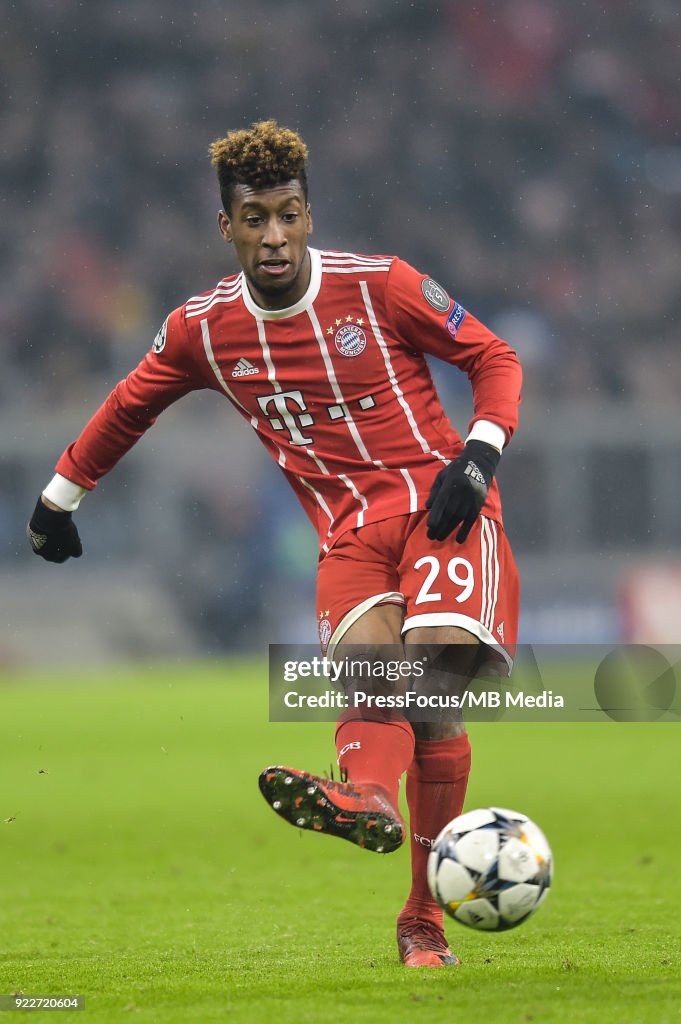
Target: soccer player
(323, 353)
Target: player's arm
(430, 321)
(165, 374)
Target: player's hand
(459, 491)
(53, 535)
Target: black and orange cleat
(421, 943)
(361, 813)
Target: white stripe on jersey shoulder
(331, 256)
(223, 292)
(355, 263)
(362, 268)
(226, 284)
(226, 290)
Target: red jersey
(337, 386)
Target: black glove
(53, 535)
(459, 491)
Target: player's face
(269, 230)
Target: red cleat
(422, 943)
(361, 813)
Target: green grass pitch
(141, 868)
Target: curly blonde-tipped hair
(261, 157)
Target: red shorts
(438, 583)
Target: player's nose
(274, 236)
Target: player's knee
(441, 635)
(373, 669)
(441, 729)
(448, 650)
(378, 626)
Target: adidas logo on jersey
(500, 631)
(244, 369)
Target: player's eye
(253, 221)
(290, 218)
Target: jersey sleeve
(429, 321)
(167, 373)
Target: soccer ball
(490, 869)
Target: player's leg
(374, 745)
(360, 614)
(462, 600)
(436, 786)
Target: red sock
(375, 750)
(436, 788)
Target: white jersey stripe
(413, 496)
(205, 309)
(221, 290)
(483, 572)
(208, 349)
(355, 270)
(360, 497)
(490, 564)
(271, 376)
(490, 571)
(355, 261)
(352, 265)
(322, 503)
(225, 282)
(267, 355)
(337, 393)
(493, 529)
(315, 458)
(333, 254)
(397, 390)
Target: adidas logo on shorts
(244, 369)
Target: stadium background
(528, 160)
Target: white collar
(300, 306)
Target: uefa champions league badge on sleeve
(435, 295)
(455, 319)
(160, 339)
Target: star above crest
(347, 320)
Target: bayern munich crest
(324, 631)
(349, 337)
(350, 340)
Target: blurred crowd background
(525, 153)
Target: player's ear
(224, 226)
(308, 216)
